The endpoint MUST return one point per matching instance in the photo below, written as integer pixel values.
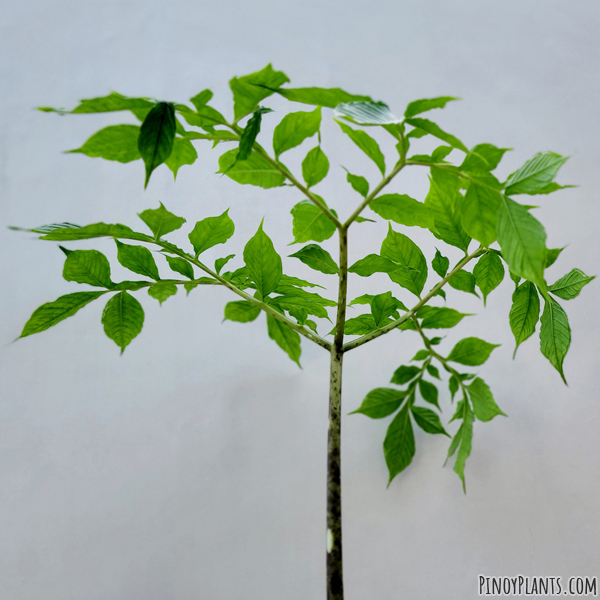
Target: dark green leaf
(221, 262)
(420, 106)
(263, 263)
(211, 231)
(402, 209)
(427, 420)
(250, 133)
(569, 286)
(162, 291)
(555, 335)
(440, 264)
(480, 213)
(88, 266)
(483, 157)
(179, 265)
(549, 188)
(484, 405)
(463, 281)
(249, 90)
(471, 351)
(381, 402)
(453, 385)
(489, 273)
(421, 355)
(429, 392)
(51, 313)
(329, 97)
(464, 438)
(294, 129)
(438, 132)
(156, 136)
(241, 311)
(137, 259)
(535, 174)
(524, 313)
(358, 183)
(311, 223)
(256, 170)
(131, 285)
(403, 374)
(183, 153)
(316, 258)
(440, 317)
(285, 337)
(366, 143)
(399, 443)
(366, 113)
(116, 142)
(161, 221)
(315, 166)
(123, 319)
(433, 371)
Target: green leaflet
(373, 263)
(535, 174)
(488, 273)
(484, 405)
(441, 200)
(359, 184)
(211, 231)
(190, 285)
(294, 128)
(551, 255)
(402, 209)
(480, 213)
(250, 134)
(123, 319)
(403, 374)
(157, 135)
(291, 290)
(440, 264)
(183, 153)
(256, 170)
(420, 106)
(249, 90)
(463, 281)
(569, 286)
(471, 351)
(263, 263)
(402, 250)
(294, 281)
(421, 355)
(315, 166)
(311, 223)
(316, 258)
(383, 306)
(285, 337)
(433, 371)
(88, 266)
(201, 99)
(116, 142)
(555, 335)
(51, 313)
(368, 299)
(551, 187)
(295, 303)
(360, 325)
(524, 312)
(329, 97)
(241, 311)
(111, 103)
(429, 392)
(137, 259)
(204, 116)
(399, 443)
(366, 143)
(440, 317)
(381, 402)
(482, 157)
(366, 113)
(161, 221)
(427, 420)
(179, 265)
(522, 239)
(162, 291)
(221, 262)
(463, 440)
(438, 132)
(93, 231)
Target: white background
(193, 466)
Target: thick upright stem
(335, 581)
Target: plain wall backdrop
(193, 466)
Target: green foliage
(366, 113)
(421, 106)
(524, 312)
(123, 319)
(160, 221)
(255, 170)
(359, 184)
(180, 265)
(399, 443)
(315, 166)
(183, 153)
(285, 337)
(435, 130)
(569, 286)
(488, 273)
(241, 311)
(316, 258)
(310, 223)
(537, 173)
(162, 291)
(427, 420)
(402, 209)
(263, 263)
(440, 264)
(137, 259)
(88, 266)
(463, 281)
(381, 402)
(555, 335)
(294, 129)
(484, 405)
(440, 317)
(471, 351)
(366, 143)
(116, 142)
(211, 231)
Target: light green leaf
(569, 286)
(535, 174)
(489, 273)
(373, 263)
(435, 317)
(403, 374)
(123, 319)
(429, 392)
(316, 258)
(484, 405)
(524, 312)
(421, 355)
(403, 209)
(88, 266)
(329, 97)
(256, 170)
(366, 113)
(311, 223)
(360, 325)
(137, 259)
(438, 132)
(555, 335)
(294, 281)
(221, 262)
(249, 90)
(157, 135)
(427, 420)
(162, 291)
(402, 250)
(551, 255)
(366, 143)
(294, 129)
(480, 213)
(211, 231)
(399, 443)
(464, 438)
(483, 157)
(285, 337)
(315, 166)
(201, 99)
(522, 239)
(440, 264)
(381, 402)
(111, 103)
(179, 265)
(241, 311)
(359, 184)
(471, 351)
(433, 371)
(116, 142)
(551, 187)
(263, 263)
(463, 281)
(183, 153)
(204, 116)
(383, 306)
(161, 221)
(295, 303)
(420, 106)
(290, 290)
(51, 313)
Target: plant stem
(335, 581)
